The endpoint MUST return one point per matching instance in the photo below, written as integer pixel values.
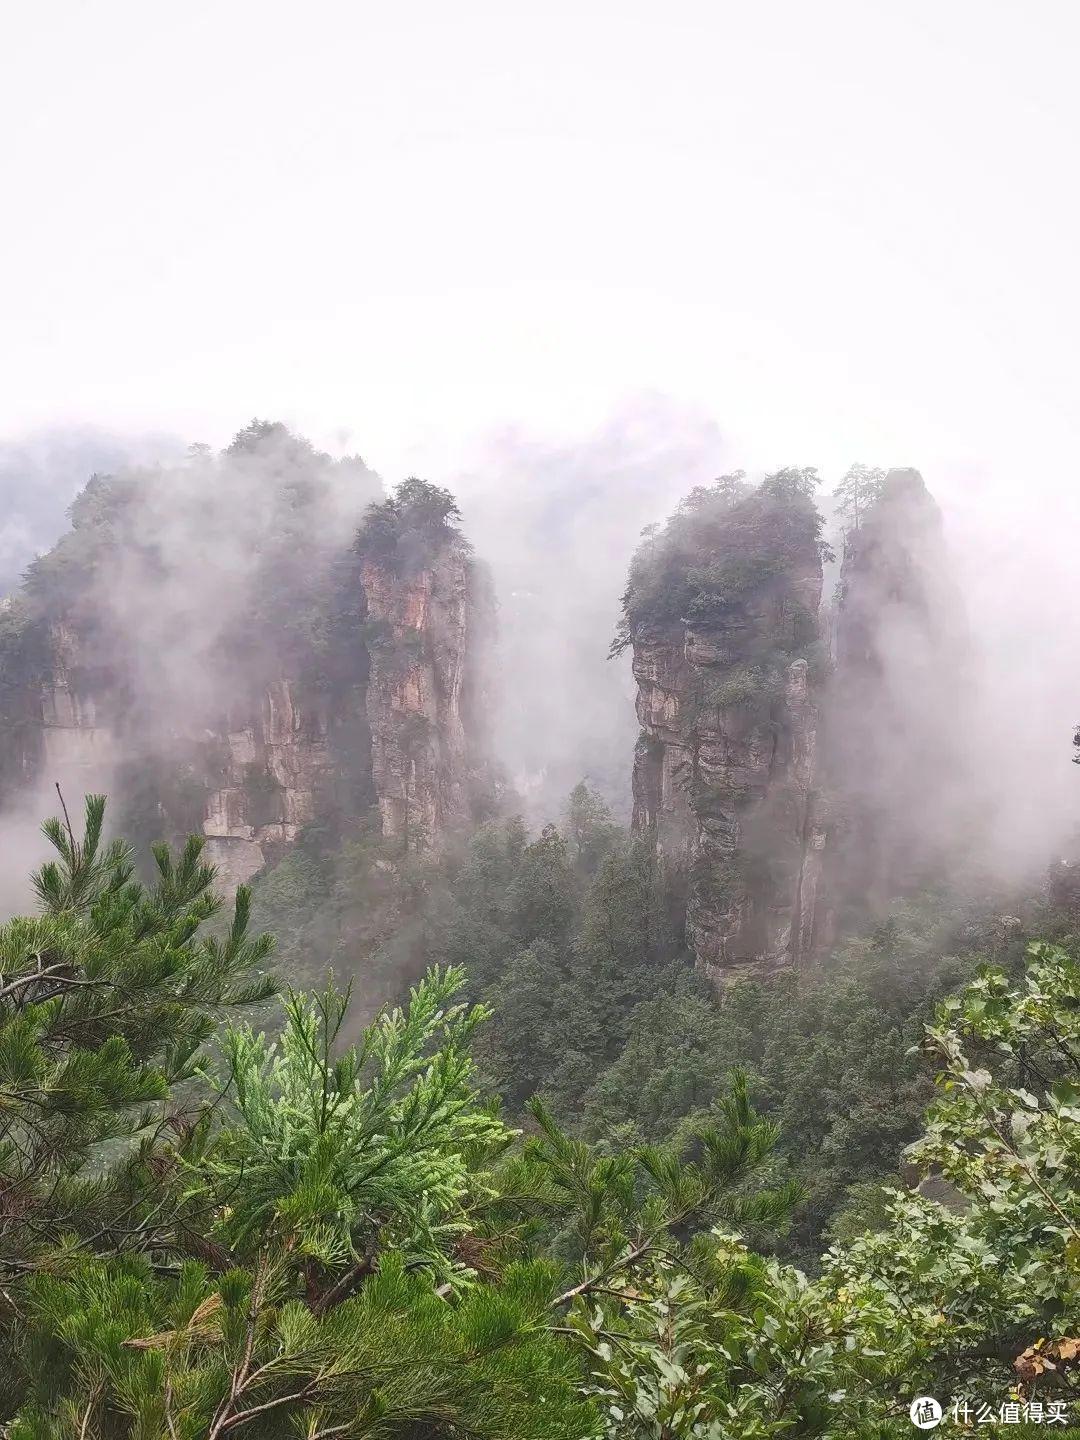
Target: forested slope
(203, 1235)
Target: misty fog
(42, 470)
(557, 522)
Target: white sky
(838, 229)
(843, 229)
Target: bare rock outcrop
(357, 689)
(273, 768)
(792, 794)
(725, 767)
(897, 751)
(426, 632)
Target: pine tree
(725, 492)
(856, 492)
(341, 1288)
(590, 830)
(107, 1000)
(732, 488)
(792, 483)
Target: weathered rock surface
(75, 738)
(897, 750)
(1063, 883)
(399, 725)
(274, 767)
(803, 805)
(724, 773)
(422, 691)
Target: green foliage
(971, 1295)
(404, 530)
(23, 657)
(730, 1345)
(667, 1296)
(730, 564)
(742, 687)
(59, 580)
(269, 437)
(974, 1298)
(726, 490)
(830, 1052)
(573, 941)
(517, 1353)
(673, 1066)
(205, 1357)
(590, 831)
(563, 936)
(343, 1239)
(295, 1247)
(337, 1240)
(333, 901)
(585, 958)
(792, 483)
(107, 999)
(526, 1050)
(161, 794)
(342, 1154)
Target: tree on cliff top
(725, 491)
(723, 544)
(792, 483)
(227, 557)
(857, 491)
(265, 437)
(403, 529)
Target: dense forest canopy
(725, 542)
(205, 1239)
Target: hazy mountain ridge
(246, 643)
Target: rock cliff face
(363, 695)
(1063, 884)
(276, 761)
(65, 731)
(896, 749)
(408, 727)
(789, 796)
(424, 692)
(404, 727)
(724, 773)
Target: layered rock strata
(423, 693)
(788, 795)
(724, 773)
(402, 724)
